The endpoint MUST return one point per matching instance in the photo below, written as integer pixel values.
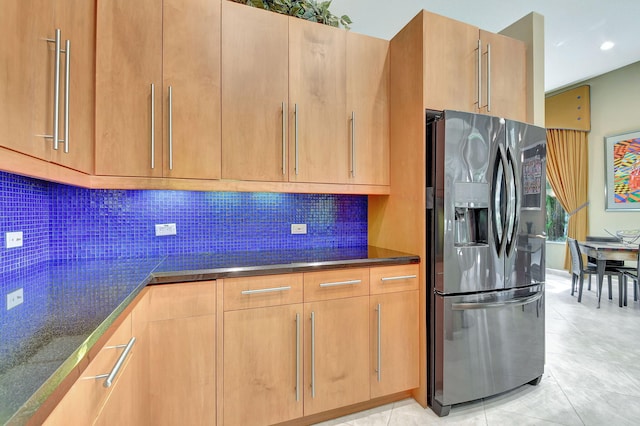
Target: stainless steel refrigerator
(486, 256)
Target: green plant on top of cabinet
(468, 69)
(47, 80)
(158, 88)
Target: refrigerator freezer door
(487, 343)
(467, 257)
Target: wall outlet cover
(164, 229)
(14, 239)
(15, 298)
(298, 228)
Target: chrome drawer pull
(351, 282)
(116, 368)
(266, 290)
(401, 277)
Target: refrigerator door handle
(465, 306)
(514, 203)
(497, 195)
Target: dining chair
(632, 273)
(579, 269)
(609, 263)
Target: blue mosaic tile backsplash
(66, 222)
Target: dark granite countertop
(70, 304)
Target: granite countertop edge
(158, 277)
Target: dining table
(602, 251)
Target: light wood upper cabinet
(317, 95)
(450, 74)
(27, 81)
(368, 102)
(191, 68)
(505, 76)
(144, 49)
(468, 69)
(129, 88)
(77, 22)
(255, 93)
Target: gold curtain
(568, 171)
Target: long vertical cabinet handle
(116, 368)
(488, 77)
(153, 126)
(353, 144)
(284, 139)
(295, 115)
(67, 79)
(170, 125)
(379, 368)
(297, 356)
(479, 74)
(313, 354)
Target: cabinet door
(119, 407)
(182, 365)
(128, 111)
(26, 76)
(336, 355)
(451, 61)
(255, 93)
(394, 343)
(191, 68)
(262, 365)
(504, 76)
(83, 402)
(317, 90)
(77, 22)
(368, 104)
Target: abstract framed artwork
(622, 169)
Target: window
(557, 218)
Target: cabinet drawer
(168, 301)
(336, 284)
(84, 400)
(388, 279)
(258, 292)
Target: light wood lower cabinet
(181, 354)
(89, 399)
(262, 365)
(394, 313)
(336, 367)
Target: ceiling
(574, 29)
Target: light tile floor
(592, 372)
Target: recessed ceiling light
(607, 45)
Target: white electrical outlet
(15, 298)
(164, 229)
(298, 228)
(14, 239)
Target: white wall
(615, 109)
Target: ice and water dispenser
(471, 216)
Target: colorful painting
(623, 172)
